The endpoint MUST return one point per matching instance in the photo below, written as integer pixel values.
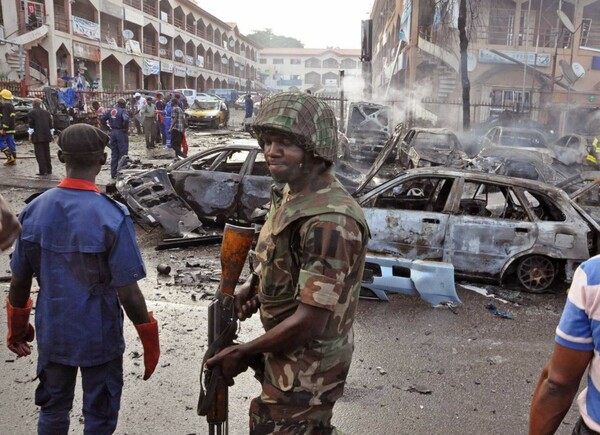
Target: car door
(487, 228)
(212, 187)
(256, 186)
(404, 147)
(407, 216)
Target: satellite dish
(178, 53)
(127, 34)
(224, 60)
(163, 52)
(471, 62)
(571, 73)
(565, 21)
(162, 40)
(231, 43)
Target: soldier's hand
(233, 361)
(245, 300)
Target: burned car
(490, 227)
(572, 149)
(228, 183)
(368, 128)
(430, 147)
(521, 138)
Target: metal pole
(342, 96)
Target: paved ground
(416, 369)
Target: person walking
(81, 247)
(140, 102)
(249, 106)
(167, 119)
(118, 122)
(41, 133)
(177, 129)
(149, 114)
(311, 253)
(160, 130)
(576, 348)
(7, 127)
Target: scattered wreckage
(489, 227)
(422, 147)
(368, 128)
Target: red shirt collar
(76, 183)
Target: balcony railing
(111, 37)
(190, 29)
(166, 54)
(169, 16)
(178, 22)
(201, 33)
(61, 23)
(150, 8)
(137, 4)
(150, 49)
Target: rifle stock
(222, 325)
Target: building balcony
(190, 29)
(150, 9)
(61, 22)
(166, 53)
(136, 4)
(150, 49)
(179, 23)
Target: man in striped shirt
(576, 349)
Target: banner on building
(179, 71)
(133, 47)
(85, 28)
(151, 67)
(166, 67)
(200, 61)
(191, 72)
(189, 60)
(529, 58)
(86, 51)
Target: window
(586, 26)
(295, 61)
(419, 194)
(233, 162)
(490, 200)
(277, 61)
(509, 99)
(262, 61)
(544, 208)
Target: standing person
(7, 131)
(10, 228)
(85, 273)
(249, 106)
(99, 110)
(149, 114)
(118, 122)
(177, 129)
(167, 119)
(140, 102)
(311, 254)
(575, 350)
(41, 134)
(160, 130)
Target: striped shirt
(579, 329)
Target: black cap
(82, 139)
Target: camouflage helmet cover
(308, 119)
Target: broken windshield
(437, 141)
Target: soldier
(311, 254)
(7, 131)
(118, 121)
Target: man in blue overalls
(118, 121)
(167, 119)
(81, 247)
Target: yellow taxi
(207, 112)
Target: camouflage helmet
(308, 119)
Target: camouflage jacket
(311, 250)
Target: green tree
(266, 39)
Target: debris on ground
(497, 312)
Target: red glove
(19, 329)
(148, 333)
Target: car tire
(536, 273)
(215, 124)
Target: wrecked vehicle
(368, 128)
(521, 138)
(489, 227)
(423, 147)
(227, 183)
(572, 149)
(520, 163)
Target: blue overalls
(168, 110)
(7, 125)
(78, 316)
(118, 120)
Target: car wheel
(215, 124)
(536, 273)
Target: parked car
(206, 112)
(227, 182)
(522, 138)
(191, 95)
(227, 95)
(240, 103)
(430, 147)
(490, 227)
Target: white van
(191, 95)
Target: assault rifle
(222, 327)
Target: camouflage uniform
(311, 250)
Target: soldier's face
(284, 158)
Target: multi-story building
(116, 45)
(312, 69)
(521, 54)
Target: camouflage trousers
(277, 419)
